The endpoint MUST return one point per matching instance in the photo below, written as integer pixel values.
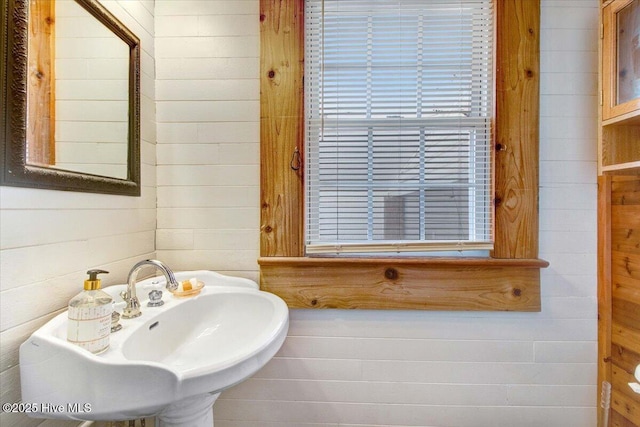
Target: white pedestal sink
(172, 362)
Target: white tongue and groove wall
(348, 368)
(369, 368)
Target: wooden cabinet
(620, 87)
(619, 210)
(619, 295)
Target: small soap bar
(188, 288)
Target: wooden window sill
(472, 284)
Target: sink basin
(171, 362)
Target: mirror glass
(628, 52)
(71, 96)
(80, 122)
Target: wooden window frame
(508, 280)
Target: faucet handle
(132, 309)
(154, 285)
(115, 321)
(155, 298)
(155, 295)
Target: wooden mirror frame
(14, 169)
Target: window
(507, 278)
(398, 125)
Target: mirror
(71, 98)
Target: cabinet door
(621, 59)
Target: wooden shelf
(631, 118)
(630, 167)
(619, 148)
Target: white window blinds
(398, 106)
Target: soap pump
(89, 316)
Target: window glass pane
(628, 52)
(398, 104)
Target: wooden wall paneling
(622, 334)
(624, 358)
(625, 190)
(625, 405)
(618, 420)
(624, 282)
(624, 401)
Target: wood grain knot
(268, 229)
(271, 74)
(314, 302)
(262, 17)
(517, 292)
(497, 201)
(391, 273)
(528, 73)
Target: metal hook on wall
(296, 160)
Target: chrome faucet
(132, 308)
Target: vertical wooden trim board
(516, 128)
(604, 287)
(281, 126)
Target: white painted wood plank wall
(49, 239)
(383, 368)
(347, 368)
(208, 134)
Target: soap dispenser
(89, 316)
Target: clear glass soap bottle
(89, 316)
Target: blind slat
(398, 104)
